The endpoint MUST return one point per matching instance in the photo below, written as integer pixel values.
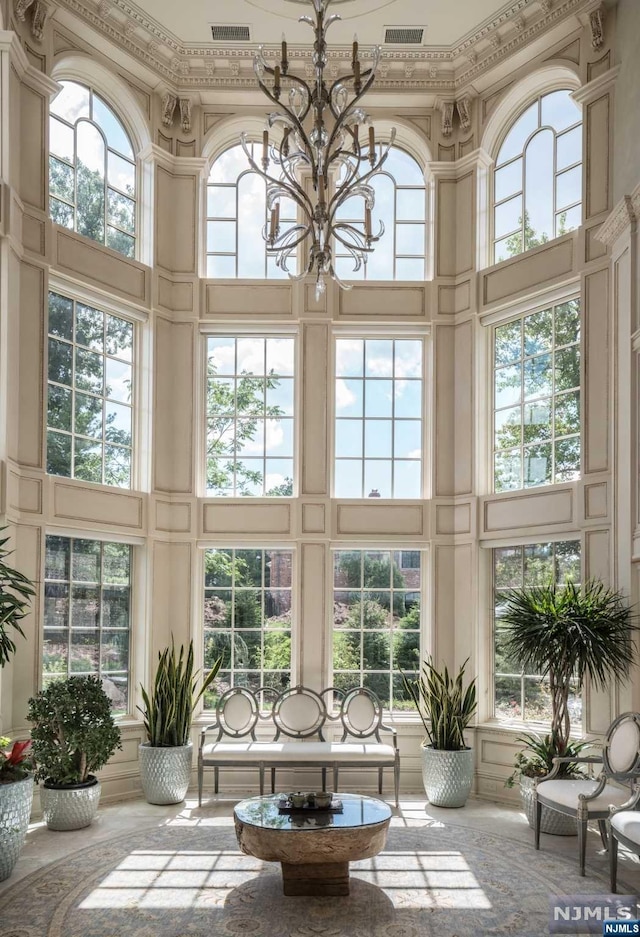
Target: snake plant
(445, 707)
(168, 709)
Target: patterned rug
(191, 881)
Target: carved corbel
(596, 23)
(169, 102)
(185, 114)
(39, 14)
(463, 107)
(21, 8)
(447, 118)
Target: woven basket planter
(551, 821)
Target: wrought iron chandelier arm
(298, 193)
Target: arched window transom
(92, 171)
(538, 176)
(236, 216)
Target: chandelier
(321, 139)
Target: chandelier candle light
(320, 140)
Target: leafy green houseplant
(16, 592)
(166, 758)
(567, 633)
(446, 709)
(16, 797)
(74, 735)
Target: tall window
(376, 621)
(538, 176)
(521, 695)
(250, 403)
(401, 206)
(87, 613)
(378, 430)
(537, 398)
(92, 170)
(89, 412)
(236, 216)
(247, 618)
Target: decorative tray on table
(285, 806)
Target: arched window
(92, 171)
(401, 206)
(538, 176)
(236, 216)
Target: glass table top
(357, 811)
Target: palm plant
(445, 707)
(168, 710)
(568, 634)
(16, 591)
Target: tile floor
(44, 846)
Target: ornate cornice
(436, 69)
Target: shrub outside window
(376, 621)
(87, 614)
(250, 407)
(537, 398)
(537, 181)
(236, 216)
(92, 170)
(518, 695)
(378, 427)
(90, 393)
(247, 618)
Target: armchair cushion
(565, 793)
(627, 824)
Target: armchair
(624, 827)
(590, 798)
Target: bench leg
(324, 779)
(380, 770)
(273, 780)
(216, 780)
(335, 777)
(262, 780)
(582, 843)
(396, 781)
(200, 773)
(613, 862)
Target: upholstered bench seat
(566, 793)
(297, 718)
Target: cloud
(344, 396)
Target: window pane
(559, 111)
(113, 130)
(121, 173)
(246, 623)
(515, 140)
(569, 148)
(410, 205)
(72, 102)
(569, 187)
(377, 621)
(539, 189)
(74, 594)
(61, 140)
(508, 180)
(61, 180)
(508, 217)
(121, 211)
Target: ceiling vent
(404, 35)
(231, 34)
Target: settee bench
(295, 723)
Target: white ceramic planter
(165, 773)
(447, 776)
(15, 809)
(70, 808)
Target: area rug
(191, 881)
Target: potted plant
(566, 633)
(446, 709)
(166, 757)
(16, 797)
(16, 592)
(535, 761)
(74, 734)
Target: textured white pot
(551, 821)
(70, 808)
(15, 809)
(447, 776)
(165, 772)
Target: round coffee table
(314, 847)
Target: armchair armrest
(630, 804)
(394, 733)
(204, 730)
(568, 759)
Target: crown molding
(436, 68)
